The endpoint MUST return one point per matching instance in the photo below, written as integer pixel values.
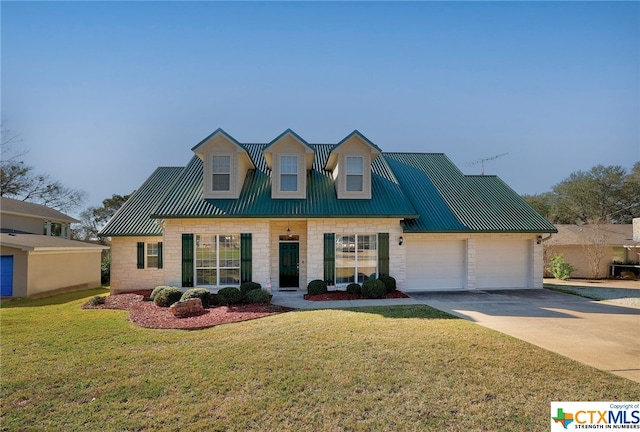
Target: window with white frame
(356, 258)
(221, 173)
(288, 173)
(355, 173)
(152, 255)
(217, 259)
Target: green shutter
(245, 257)
(383, 254)
(187, 260)
(330, 258)
(140, 255)
(159, 255)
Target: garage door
(503, 263)
(435, 265)
(6, 276)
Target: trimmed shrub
(317, 286)
(97, 300)
(156, 290)
(249, 286)
(167, 296)
(258, 296)
(201, 293)
(354, 288)
(373, 288)
(389, 283)
(229, 296)
(559, 268)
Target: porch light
(400, 240)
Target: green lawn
(366, 369)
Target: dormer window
(221, 173)
(350, 163)
(289, 158)
(225, 164)
(288, 173)
(355, 173)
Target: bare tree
(19, 181)
(594, 242)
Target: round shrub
(317, 286)
(156, 290)
(167, 296)
(389, 283)
(229, 296)
(354, 288)
(373, 288)
(258, 296)
(249, 286)
(200, 293)
(97, 300)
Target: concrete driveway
(599, 334)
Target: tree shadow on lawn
(56, 299)
(402, 311)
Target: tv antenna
(483, 160)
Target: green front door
(289, 265)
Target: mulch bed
(343, 295)
(147, 314)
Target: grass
(567, 289)
(365, 369)
(594, 292)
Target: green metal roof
(449, 201)
(425, 189)
(185, 198)
(132, 219)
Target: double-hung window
(221, 173)
(152, 255)
(288, 173)
(217, 259)
(355, 173)
(356, 258)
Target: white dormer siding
(350, 163)
(290, 158)
(225, 165)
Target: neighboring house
(21, 217)
(37, 257)
(288, 212)
(594, 248)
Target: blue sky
(103, 93)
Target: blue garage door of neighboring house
(6, 276)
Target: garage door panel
(503, 264)
(435, 265)
(6, 276)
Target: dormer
(226, 163)
(290, 158)
(350, 164)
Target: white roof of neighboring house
(23, 208)
(33, 242)
(620, 235)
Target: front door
(289, 265)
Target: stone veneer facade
(265, 249)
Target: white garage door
(503, 263)
(435, 265)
